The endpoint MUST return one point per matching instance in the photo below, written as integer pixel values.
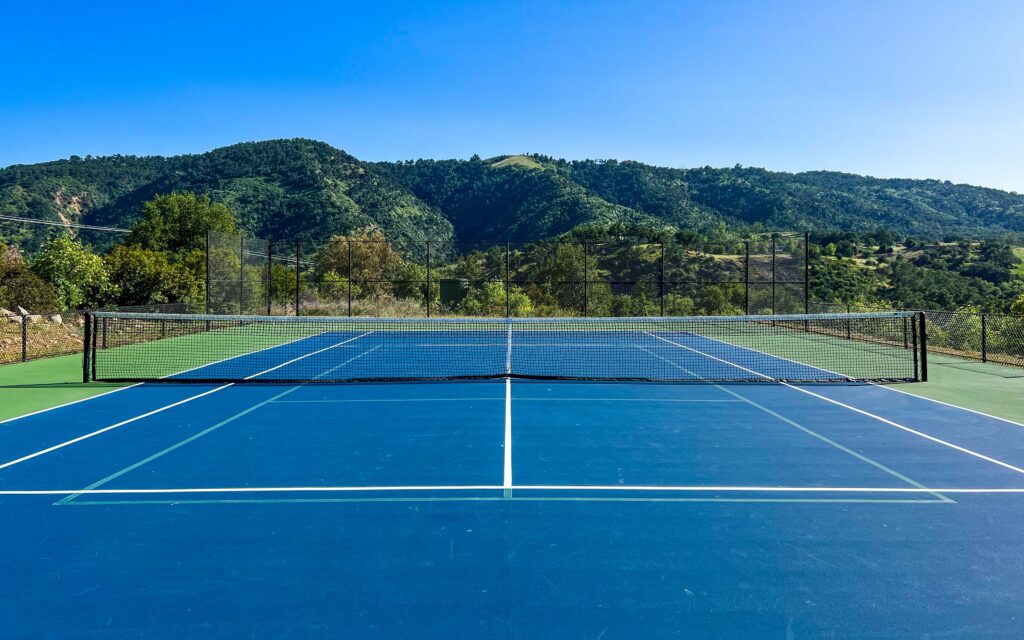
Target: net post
(746, 278)
(350, 274)
(662, 283)
(508, 278)
(86, 350)
(586, 283)
(24, 338)
(428, 280)
(270, 273)
(298, 275)
(92, 348)
(914, 341)
(923, 332)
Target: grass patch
(517, 161)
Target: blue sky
(892, 89)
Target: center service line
(508, 437)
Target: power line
(72, 225)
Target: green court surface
(985, 387)
(989, 388)
(40, 384)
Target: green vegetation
(891, 242)
(881, 269)
(162, 260)
(307, 189)
(525, 162)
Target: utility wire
(54, 223)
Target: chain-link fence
(57, 333)
(969, 334)
(238, 274)
(375, 277)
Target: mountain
(308, 189)
(281, 189)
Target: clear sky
(929, 88)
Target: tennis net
(888, 346)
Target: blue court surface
(511, 509)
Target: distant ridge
(308, 189)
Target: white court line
(940, 441)
(306, 355)
(72, 441)
(11, 463)
(948, 404)
(68, 404)
(508, 434)
(247, 353)
(519, 399)
(195, 437)
(603, 399)
(528, 487)
(810, 432)
(130, 386)
(874, 384)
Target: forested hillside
(281, 189)
(903, 243)
(310, 190)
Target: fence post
(984, 338)
(241, 279)
(86, 350)
(508, 279)
(849, 333)
(807, 272)
(746, 278)
(24, 338)
(662, 288)
(773, 273)
(428, 279)
(207, 309)
(586, 283)
(298, 274)
(270, 273)
(350, 274)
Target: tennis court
(618, 478)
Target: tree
(78, 275)
(1017, 307)
(331, 286)
(282, 285)
(10, 259)
(25, 289)
(488, 299)
(139, 276)
(179, 221)
(373, 260)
